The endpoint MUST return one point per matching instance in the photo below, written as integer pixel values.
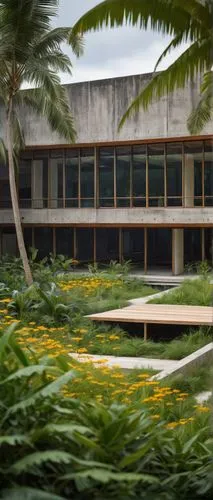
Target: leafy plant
(55, 447)
(116, 267)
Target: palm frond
(163, 16)
(50, 41)
(193, 61)
(57, 111)
(204, 110)
(77, 43)
(57, 61)
(175, 42)
(38, 75)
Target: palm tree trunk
(14, 199)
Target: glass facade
(143, 175)
(148, 248)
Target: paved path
(127, 363)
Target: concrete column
(177, 251)
(189, 181)
(37, 184)
(54, 184)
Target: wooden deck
(158, 314)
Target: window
(106, 177)
(5, 199)
(87, 177)
(133, 245)
(85, 244)
(156, 175)
(64, 241)
(208, 172)
(28, 238)
(40, 181)
(71, 177)
(123, 160)
(107, 244)
(56, 179)
(193, 173)
(192, 246)
(174, 174)
(139, 176)
(25, 184)
(43, 237)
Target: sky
(111, 52)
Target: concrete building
(144, 194)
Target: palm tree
(189, 21)
(30, 52)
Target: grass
(199, 379)
(197, 292)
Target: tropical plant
(185, 21)
(31, 53)
(55, 447)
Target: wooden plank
(159, 314)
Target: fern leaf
(39, 458)
(13, 440)
(66, 429)
(31, 370)
(46, 392)
(19, 493)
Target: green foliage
(59, 448)
(192, 292)
(187, 22)
(116, 268)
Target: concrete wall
(99, 105)
(173, 217)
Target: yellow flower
(77, 339)
(155, 417)
(202, 409)
(171, 425)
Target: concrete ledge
(172, 217)
(185, 365)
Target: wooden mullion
(115, 181)
(147, 178)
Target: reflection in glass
(133, 245)
(192, 246)
(71, 177)
(156, 175)
(25, 183)
(208, 239)
(43, 237)
(208, 172)
(64, 241)
(57, 178)
(139, 176)
(123, 159)
(28, 239)
(159, 248)
(174, 174)
(106, 177)
(107, 244)
(193, 159)
(5, 199)
(85, 244)
(87, 177)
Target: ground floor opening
(150, 249)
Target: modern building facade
(144, 194)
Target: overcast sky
(110, 53)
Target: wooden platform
(158, 314)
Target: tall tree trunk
(14, 199)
